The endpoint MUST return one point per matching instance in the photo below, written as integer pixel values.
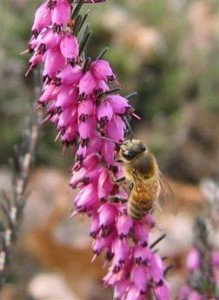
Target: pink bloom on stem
(67, 116)
(54, 62)
(49, 94)
(116, 129)
(85, 109)
(120, 289)
(142, 255)
(86, 129)
(61, 12)
(66, 96)
(118, 103)
(108, 152)
(156, 268)
(133, 293)
(162, 291)
(86, 198)
(139, 276)
(87, 84)
(70, 75)
(69, 46)
(124, 225)
(193, 259)
(101, 243)
(107, 214)
(104, 113)
(105, 185)
(48, 39)
(101, 70)
(34, 61)
(77, 102)
(42, 17)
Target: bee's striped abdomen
(138, 207)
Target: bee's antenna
(110, 140)
(129, 133)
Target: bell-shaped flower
(92, 161)
(108, 152)
(141, 231)
(86, 198)
(61, 13)
(120, 289)
(118, 104)
(100, 88)
(70, 75)
(124, 225)
(69, 46)
(133, 293)
(104, 113)
(42, 17)
(193, 259)
(107, 214)
(121, 251)
(34, 61)
(86, 108)
(140, 277)
(95, 225)
(101, 70)
(105, 184)
(49, 38)
(142, 255)
(156, 268)
(48, 94)
(67, 96)
(116, 129)
(86, 128)
(101, 243)
(67, 116)
(87, 84)
(70, 134)
(54, 61)
(162, 291)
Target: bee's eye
(128, 154)
(142, 147)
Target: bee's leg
(117, 159)
(119, 180)
(117, 199)
(131, 185)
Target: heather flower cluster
(82, 102)
(203, 266)
(197, 288)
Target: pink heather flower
(101, 70)
(201, 290)
(69, 46)
(76, 100)
(61, 12)
(42, 17)
(193, 259)
(53, 62)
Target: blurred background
(167, 51)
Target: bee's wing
(140, 186)
(166, 198)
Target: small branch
(12, 206)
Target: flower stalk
(82, 100)
(203, 265)
(12, 204)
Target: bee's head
(130, 148)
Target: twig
(12, 206)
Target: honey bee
(142, 171)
